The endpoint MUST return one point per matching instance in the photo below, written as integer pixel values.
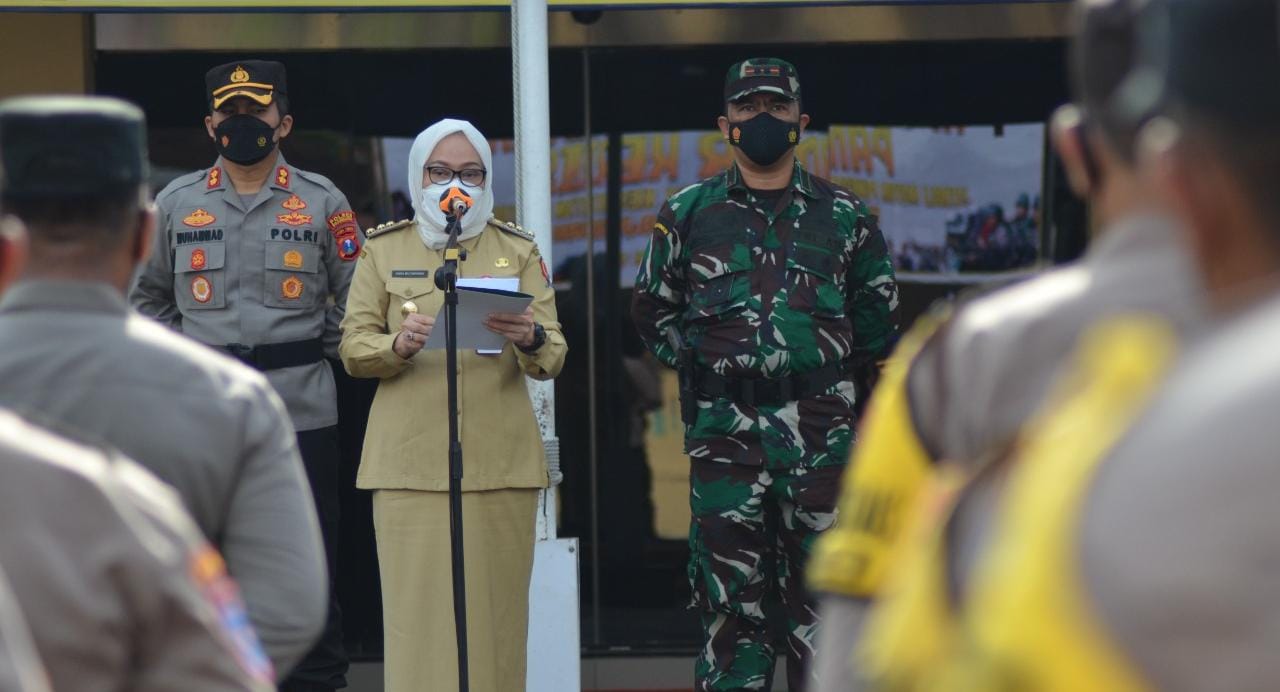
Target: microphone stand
(446, 279)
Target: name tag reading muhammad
(410, 273)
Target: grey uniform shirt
(985, 372)
(272, 271)
(978, 379)
(1180, 536)
(118, 588)
(75, 355)
(20, 667)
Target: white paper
(475, 304)
(504, 283)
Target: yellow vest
(890, 466)
(1025, 622)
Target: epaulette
(317, 179)
(185, 180)
(511, 228)
(387, 227)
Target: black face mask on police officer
(244, 139)
(764, 138)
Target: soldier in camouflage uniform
(769, 289)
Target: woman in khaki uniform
(405, 457)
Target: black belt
(275, 356)
(772, 391)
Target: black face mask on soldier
(764, 138)
(244, 139)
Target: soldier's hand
(517, 327)
(413, 335)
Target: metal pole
(532, 121)
(593, 442)
(554, 663)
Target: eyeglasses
(443, 175)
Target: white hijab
(430, 220)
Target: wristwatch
(539, 338)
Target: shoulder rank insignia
(387, 227)
(511, 228)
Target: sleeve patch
(342, 218)
(209, 574)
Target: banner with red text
(950, 200)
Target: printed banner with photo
(951, 201)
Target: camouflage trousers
(752, 531)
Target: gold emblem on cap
(408, 308)
(239, 75)
(502, 263)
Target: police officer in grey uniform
(980, 376)
(254, 257)
(73, 170)
(1178, 545)
(120, 590)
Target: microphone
(454, 202)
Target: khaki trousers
(412, 529)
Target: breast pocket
(421, 291)
(719, 282)
(199, 276)
(292, 278)
(815, 280)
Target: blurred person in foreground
(116, 584)
(1133, 542)
(405, 459)
(73, 353)
(958, 390)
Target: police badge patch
(201, 289)
(291, 288)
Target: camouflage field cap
(761, 74)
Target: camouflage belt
(772, 391)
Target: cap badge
(239, 75)
(198, 259)
(502, 263)
(201, 289)
(294, 203)
(293, 259)
(293, 218)
(199, 218)
(291, 288)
